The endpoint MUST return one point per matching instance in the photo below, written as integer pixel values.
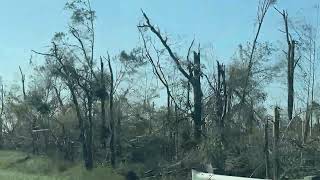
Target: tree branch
(164, 43)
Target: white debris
(196, 175)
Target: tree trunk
(23, 83)
(197, 97)
(291, 65)
(81, 125)
(276, 164)
(176, 143)
(112, 140)
(119, 147)
(266, 148)
(46, 133)
(221, 101)
(1, 113)
(290, 80)
(307, 124)
(103, 110)
(89, 138)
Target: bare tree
(102, 95)
(193, 77)
(111, 112)
(292, 62)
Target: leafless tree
(193, 77)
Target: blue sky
(27, 25)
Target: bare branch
(164, 43)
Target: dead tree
(291, 63)
(193, 77)
(111, 112)
(221, 106)
(158, 71)
(102, 96)
(221, 100)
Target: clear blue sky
(27, 25)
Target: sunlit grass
(43, 168)
(14, 175)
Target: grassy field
(21, 166)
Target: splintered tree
(111, 111)
(291, 63)
(193, 76)
(102, 95)
(221, 100)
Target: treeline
(80, 105)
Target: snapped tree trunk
(291, 50)
(102, 95)
(291, 64)
(112, 140)
(221, 101)
(197, 95)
